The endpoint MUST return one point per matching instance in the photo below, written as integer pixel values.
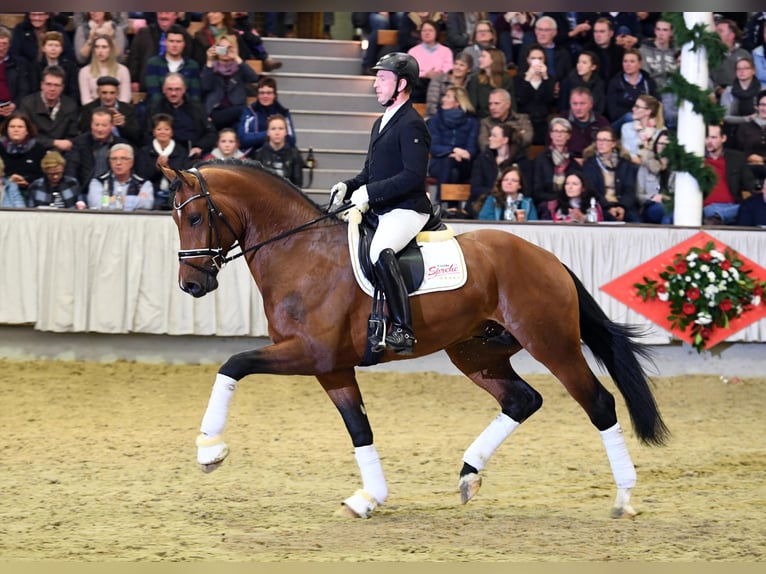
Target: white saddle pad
(444, 265)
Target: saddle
(432, 261)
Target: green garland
(701, 100)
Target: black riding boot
(400, 339)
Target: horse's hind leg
(485, 359)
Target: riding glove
(361, 199)
(338, 193)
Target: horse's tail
(613, 347)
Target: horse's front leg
(343, 390)
(284, 358)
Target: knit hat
(52, 159)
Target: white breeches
(395, 230)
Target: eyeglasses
(120, 159)
(604, 140)
(545, 29)
(559, 131)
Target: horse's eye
(195, 220)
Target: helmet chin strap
(395, 94)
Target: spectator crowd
(547, 112)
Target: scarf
(164, 183)
(745, 99)
(453, 118)
(17, 148)
(225, 69)
(560, 163)
(608, 166)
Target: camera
(221, 50)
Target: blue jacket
(453, 128)
(493, 211)
(396, 165)
(252, 125)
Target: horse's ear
(168, 172)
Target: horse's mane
(256, 165)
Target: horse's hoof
(360, 505)
(211, 452)
(469, 485)
(625, 512)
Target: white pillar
(691, 126)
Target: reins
(214, 214)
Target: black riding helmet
(401, 64)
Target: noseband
(216, 254)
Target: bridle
(216, 254)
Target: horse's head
(206, 234)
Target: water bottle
(509, 213)
(592, 215)
(118, 203)
(105, 198)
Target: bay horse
(516, 295)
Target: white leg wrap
(218, 405)
(617, 451)
(373, 481)
(485, 445)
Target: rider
(392, 184)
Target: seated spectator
(52, 55)
(457, 76)
(216, 25)
(151, 41)
(491, 75)
(224, 83)
(752, 211)
(54, 114)
(514, 29)
(103, 63)
(454, 131)
(658, 55)
(740, 98)
(161, 150)
(174, 60)
(552, 166)
(636, 135)
(613, 176)
(734, 176)
(751, 138)
(503, 147)
(501, 112)
(123, 113)
(759, 58)
(228, 146)
(98, 24)
(584, 75)
(25, 42)
(606, 49)
(125, 190)
(558, 62)
(53, 188)
(278, 155)
(20, 150)
(433, 59)
(509, 186)
(408, 31)
(459, 29)
(724, 74)
(625, 87)
(252, 123)
(655, 183)
(534, 92)
(574, 200)
(483, 38)
(192, 129)
(89, 155)
(10, 196)
(584, 121)
(14, 76)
